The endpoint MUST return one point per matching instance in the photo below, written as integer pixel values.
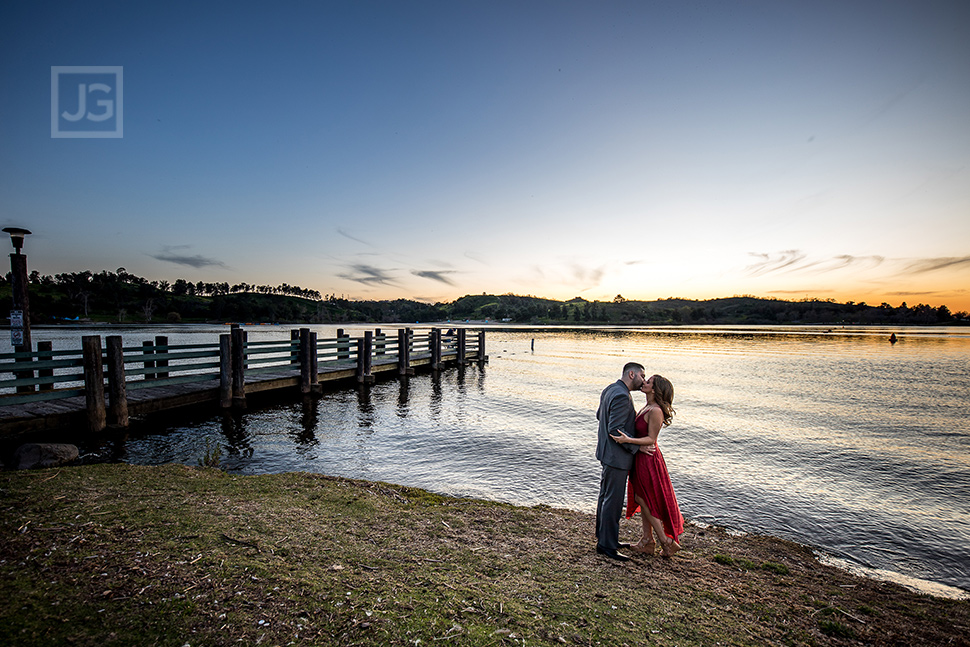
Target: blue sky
(428, 150)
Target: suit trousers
(609, 508)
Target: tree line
(122, 297)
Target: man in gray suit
(616, 411)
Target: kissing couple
(633, 465)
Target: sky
(428, 150)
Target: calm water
(838, 440)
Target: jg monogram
(82, 103)
(86, 101)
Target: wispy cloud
(368, 275)
(345, 234)
(435, 275)
(793, 260)
(171, 255)
(924, 265)
(771, 263)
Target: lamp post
(20, 313)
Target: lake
(834, 438)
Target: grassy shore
(174, 555)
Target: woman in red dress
(649, 488)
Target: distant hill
(123, 297)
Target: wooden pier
(103, 384)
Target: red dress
(650, 481)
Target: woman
(649, 488)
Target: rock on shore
(37, 455)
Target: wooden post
(368, 353)
(295, 347)
(225, 371)
(117, 390)
(305, 352)
(379, 342)
(148, 349)
(314, 365)
(365, 347)
(435, 342)
(360, 360)
(461, 346)
(161, 342)
(45, 354)
(93, 382)
(20, 294)
(404, 352)
(238, 367)
(343, 345)
(482, 357)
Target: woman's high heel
(644, 549)
(670, 547)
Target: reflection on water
(839, 440)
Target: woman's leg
(667, 543)
(647, 544)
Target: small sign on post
(16, 327)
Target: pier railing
(107, 374)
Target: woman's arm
(623, 438)
(655, 422)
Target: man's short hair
(632, 366)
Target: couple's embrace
(627, 447)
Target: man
(616, 411)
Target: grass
(176, 555)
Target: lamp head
(17, 236)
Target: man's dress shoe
(612, 555)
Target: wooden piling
(482, 357)
(461, 346)
(343, 345)
(368, 356)
(148, 349)
(435, 343)
(365, 349)
(21, 374)
(314, 365)
(305, 352)
(225, 371)
(238, 367)
(161, 347)
(93, 382)
(404, 352)
(295, 347)
(117, 390)
(45, 354)
(380, 342)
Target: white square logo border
(116, 103)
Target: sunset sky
(427, 150)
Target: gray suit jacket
(616, 411)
